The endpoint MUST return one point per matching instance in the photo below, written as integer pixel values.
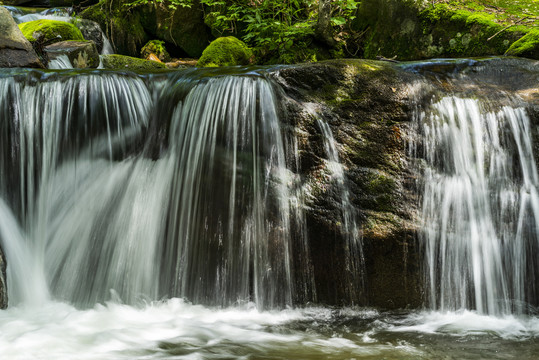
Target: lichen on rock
(226, 51)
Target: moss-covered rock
(226, 51)
(157, 48)
(527, 46)
(50, 31)
(130, 63)
(414, 29)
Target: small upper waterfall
(480, 206)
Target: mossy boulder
(226, 51)
(50, 31)
(130, 63)
(527, 46)
(412, 30)
(156, 47)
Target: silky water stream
(150, 217)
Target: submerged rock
(226, 51)
(82, 54)
(130, 63)
(15, 49)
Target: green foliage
(50, 30)
(171, 4)
(278, 31)
(226, 51)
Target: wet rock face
(82, 54)
(15, 50)
(365, 104)
(369, 107)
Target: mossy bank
(411, 30)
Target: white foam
(467, 322)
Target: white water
(480, 207)
(355, 261)
(61, 62)
(175, 329)
(95, 211)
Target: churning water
(126, 201)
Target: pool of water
(175, 329)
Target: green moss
(131, 63)
(51, 30)
(410, 30)
(225, 51)
(157, 48)
(95, 13)
(527, 46)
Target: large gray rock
(82, 54)
(15, 50)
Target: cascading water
(354, 254)
(124, 198)
(480, 207)
(209, 219)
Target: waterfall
(354, 255)
(123, 189)
(61, 62)
(480, 207)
